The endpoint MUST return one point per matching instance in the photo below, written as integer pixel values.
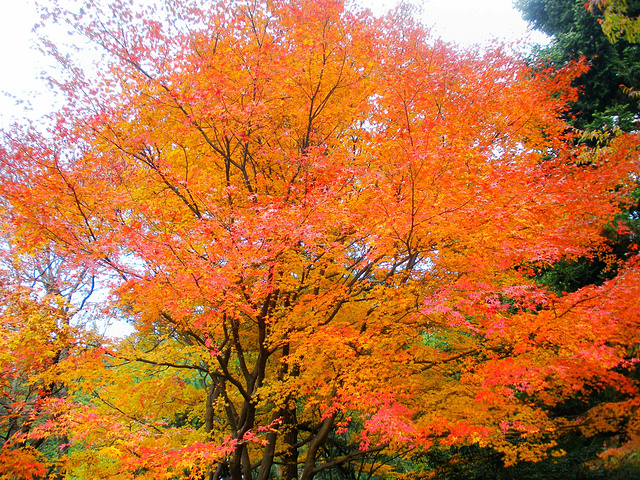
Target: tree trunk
(290, 457)
(310, 462)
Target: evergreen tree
(614, 67)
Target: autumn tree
(620, 19)
(604, 109)
(322, 225)
(40, 331)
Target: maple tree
(322, 225)
(37, 337)
(605, 108)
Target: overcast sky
(465, 22)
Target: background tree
(620, 19)
(604, 103)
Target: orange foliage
(318, 222)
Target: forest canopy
(325, 228)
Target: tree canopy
(324, 227)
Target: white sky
(465, 22)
